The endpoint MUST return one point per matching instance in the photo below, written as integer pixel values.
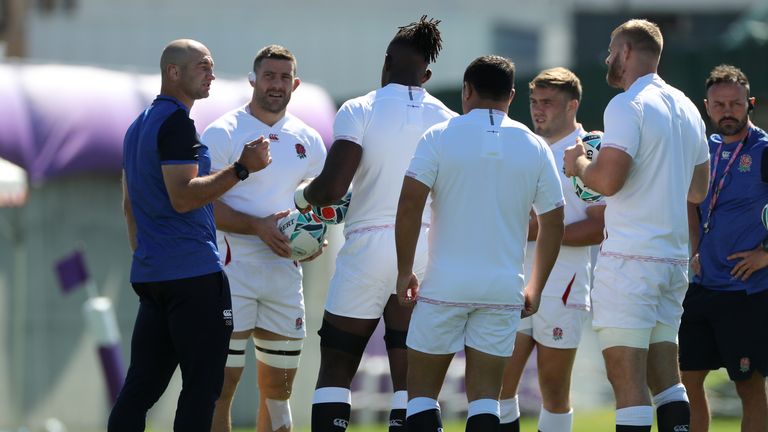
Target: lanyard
(721, 183)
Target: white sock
(332, 395)
(420, 404)
(483, 406)
(635, 416)
(551, 422)
(676, 393)
(509, 409)
(400, 400)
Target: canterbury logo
(395, 422)
(680, 428)
(227, 313)
(340, 423)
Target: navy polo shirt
(735, 225)
(171, 245)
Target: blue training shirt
(171, 245)
(735, 225)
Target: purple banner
(114, 370)
(53, 130)
(71, 271)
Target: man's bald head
(181, 52)
(186, 71)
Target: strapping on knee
(395, 338)
(236, 353)
(283, 354)
(335, 338)
(279, 413)
(663, 333)
(628, 337)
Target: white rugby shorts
(446, 329)
(638, 292)
(366, 273)
(554, 325)
(267, 296)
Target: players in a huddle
(640, 279)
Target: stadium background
(48, 363)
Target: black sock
(510, 427)
(397, 420)
(330, 417)
(482, 423)
(625, 428)
(425, 421)
(674, 416)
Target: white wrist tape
(298, 198)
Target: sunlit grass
(593, 421)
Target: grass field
(595, 421)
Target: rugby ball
(334, 213)
(764, 216)
(591, 142)
(305, 231)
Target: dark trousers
(186, 323)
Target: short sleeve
(621, 120)
(177, 141)
(424, 164)
(317, 156)
(219, 143)
(348, 124)
(702, 149)
(549, 189)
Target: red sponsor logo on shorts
(557, 333)
(744, 364)
(299, 323)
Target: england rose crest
(745, 163)
(301, 152)
(557, 333)
(744, 365)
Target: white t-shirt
(485, 172)
(662, 130)
(297, 153)
(570, 276)
(387, 123)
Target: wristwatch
(240, 171)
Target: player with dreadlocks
(374, 138)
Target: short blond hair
(642, 35)
(560, 79)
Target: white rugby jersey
(297, 153)
(570, 276)
(387, 123)
(662, 130)
(485, 172)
